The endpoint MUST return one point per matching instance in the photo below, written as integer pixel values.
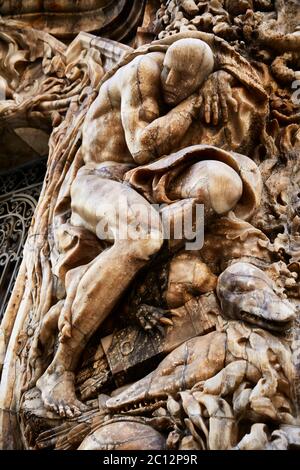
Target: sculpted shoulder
(145, 69)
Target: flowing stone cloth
(154, 180)
(85, 64)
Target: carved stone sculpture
(66, 18)
(118, 327)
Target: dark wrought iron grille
(19, 193)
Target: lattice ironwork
(22, 177)
(16, 210)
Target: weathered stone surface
(156, 335)
(66, 18)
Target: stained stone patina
(154, 340)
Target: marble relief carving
(66, 18)
(153, 340)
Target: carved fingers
(207, 96)
(197, 103)
(150, 317)
(217, 98)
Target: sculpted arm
(149, 136)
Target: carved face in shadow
(187, 63)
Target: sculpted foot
(58, 393)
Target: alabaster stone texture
(144, 342)
(66, 18)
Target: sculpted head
(187, 63)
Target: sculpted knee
(225, 187)
(214, 184)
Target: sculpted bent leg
(95, 202)
(97, 206)
(211, 183)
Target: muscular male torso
(133, 86)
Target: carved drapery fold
(64, 19)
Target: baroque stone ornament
(66, 18)
(157, 303)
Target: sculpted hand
(217, 95)
(150, 317)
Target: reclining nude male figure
(123, 128)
